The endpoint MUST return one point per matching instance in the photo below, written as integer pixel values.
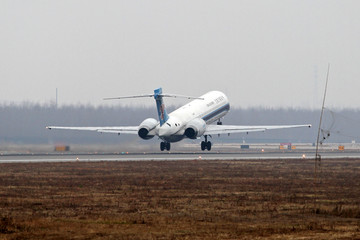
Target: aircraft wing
(117, 130)
(226, 129)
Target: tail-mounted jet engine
(195, 128)
(146, 127)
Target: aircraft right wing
(226, 129)
(117, 130)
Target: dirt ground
(247, 199)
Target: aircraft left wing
(118, 130)
(226, 129)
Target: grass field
(272, 199)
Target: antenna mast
(317, 155)
(56, 100)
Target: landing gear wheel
(162, 146)
(203, 145)
(208, 146)
(165, 145)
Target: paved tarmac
(169, 156)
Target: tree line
(25, 123)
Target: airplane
(192, 121)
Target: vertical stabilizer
(163, 116)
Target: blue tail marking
(163, 116)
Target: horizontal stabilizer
(152, 95)
(134, 96)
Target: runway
(176, 156)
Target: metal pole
(317, 155)
(56, 101)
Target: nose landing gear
(165, 145)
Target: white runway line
(169, 157)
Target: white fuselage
(211, 107)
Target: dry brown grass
(272, 199)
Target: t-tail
(163, 116)
(158, 95)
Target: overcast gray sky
(260, 53)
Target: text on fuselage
(216, 101)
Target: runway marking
(165, 157)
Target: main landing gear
(165, 145)
(205, 144)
